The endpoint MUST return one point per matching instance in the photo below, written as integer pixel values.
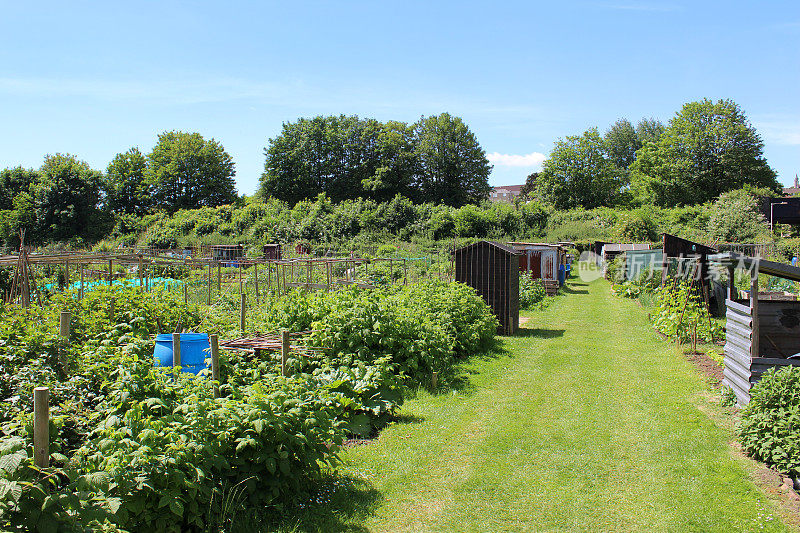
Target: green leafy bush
(679, 312)
(531, 291)
(769, 429)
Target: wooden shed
(542, 261)
(227, 252)
(272, 251)
(492, 269)
(760, 333)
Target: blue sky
(95, 78)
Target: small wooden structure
(542, 261)
(760, 334)
(227, 252)
(492, 269)
(609, 251)
(272, 251)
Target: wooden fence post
(241, 284)
(41, 427)
(81, 291)
(185, 293)
(219, 277)
(209, 283)
(243, 312)
(434, 380)
(284, 351)
(112, 305)
(255, 272)
(64, 323)
(176, 349)
(110, 272)
(215, 363)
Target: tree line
(66, 199)
(437, 159)
(706, 149)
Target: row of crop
(141, 448)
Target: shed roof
(495, 244)
(620, 247)
(771, 268)
(544, 244)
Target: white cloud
(784, 132)
(532, 159)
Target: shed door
(523, 262)
(535, 264)
(548, 268)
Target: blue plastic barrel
(194, 350)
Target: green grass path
(587, 421)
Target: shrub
(735, 217)
(531, 291)
(769, 429)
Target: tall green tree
(622, 142)
(185, 171)
(708, 148)
(66, 200)
(453, 168)
(649, 130)
(343, 157)
(14, 181)
(126, 187)
(580, 173)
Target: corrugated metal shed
(760, 334)
(492, 269)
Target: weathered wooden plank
(742, 357)
(775, 361)
(737, 307)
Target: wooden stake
(241, 285)
(215, 363)
(41, 427)
(176, 350)
(243, 312)
(64, 324)
(284, 351)
(110, 272)
(112, 309)
(82, 273)
(185, 293)
(209, 284)
(435, 380)
(219, 277)
(255, 273)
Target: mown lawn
(586, 421)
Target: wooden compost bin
(492, 269)
(760, 334)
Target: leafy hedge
(769, 429)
